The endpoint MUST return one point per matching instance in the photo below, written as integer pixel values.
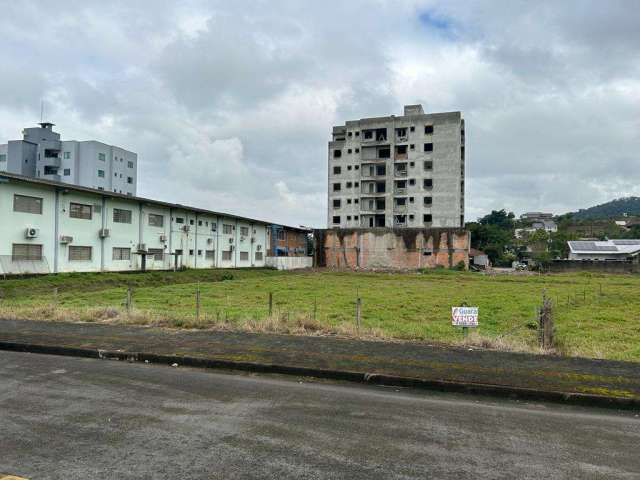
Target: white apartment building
(49, 227)
(42, 154)
(398, 171)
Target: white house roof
(613, 247)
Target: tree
(493, 234)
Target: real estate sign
(464, 316)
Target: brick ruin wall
(394, 249)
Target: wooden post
(129, 299)
(315, 307)
(546, 328)
(270, 303)
(198, 303)
(358, 313)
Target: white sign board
(464, 316)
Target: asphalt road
(79, 419)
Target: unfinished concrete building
(398, 172)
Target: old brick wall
(386, 248)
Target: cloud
(230, 105)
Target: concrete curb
(502, 391)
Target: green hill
(610, 210)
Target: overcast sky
(230, 104)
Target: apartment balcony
(372, 188)
(52, 162)
(400, 172)
(401, 156)
(400, 190)
(400, 208)
(399, 223)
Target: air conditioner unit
(209, 241)
(104, 233)
(185, 228)
(66, 239)
(142, 247)
(32, 232)
(231, 248)
(253, 239)
(163, 238)
(242, 239)
(231, 240)
(259, 247)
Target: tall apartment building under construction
(405, 171)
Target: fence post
(270, 303)
(358, 313)
(129, 299)
(315, 307)
(198, 303)
(546, 325)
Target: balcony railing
(401, 156)
(400, 173)
(400, 190)
(400, 208)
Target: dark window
(79, 253)
(428, 200)
(119, 253)
(412, 146)
(356, 201)
(428, 165)
(357, 150)
(155, 253)
(336, 219)
(411, 199)
(199, 223)
(348, 167)
(428, 147)
(381, 169)
(412, 181)
(356, 184)
(412, 164)
(244, 256)
(357, 134)
(191, 252)
(121, 216)
(336, 203)
(401, 149)
(384, 153)
(129, 179)
(428, 129)
(337, 153)
(156, 220)
(357, 167)
(336, 187)
(349, 150)
(349, 134)
(67, 172)
(337, 170)
(348, 201)
(49, 170)
(348, 184)
(427, 218)
(179, 220)
(25, 204)
(78, 210)
(191, 222)
(412, 128)
(348, 217)
(355, 217)
(427, 183)
(26, 251)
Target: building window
(337, 153)
(199, 223)
(411, 199)
(428, 165)
(337, 170)
(67, 172)
(427, 218)
(336, 187)
(79, 210)
(428, 147)
(156, 220)
(349, 134)
(336, 219)
(3, 157)
(244, 231)
(336, 203)
(102, 157)
(120, 253)
(427, 183)
(258, 256)
(244, 256)
(428, 200)
(412, 164)
(26, 251)
(428, 129)
(357, 133)
(121, 216)
(355, 217)
(348, 201)
(66, 155)
(348, 218)
(356, 201)
(209, 254)
(412, 181)
(155, 253)
(49, 170)
(227, 229)
(129, 180)
(214, 226)
(226, 255)
(78, 253)
(348, 185)
(179, 220)
(25, 204)
(199, 253)
(412, 147)
(130, 164)
(412, 128)
(357, 167)
(101, 173)
(191, 221)
(357, 150)
(356, 184)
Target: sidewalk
(576, 380)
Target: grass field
(596, 315)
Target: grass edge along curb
(502, 391)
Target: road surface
(77, 418)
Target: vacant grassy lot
(596, 315)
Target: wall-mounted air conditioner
(253, 239)
(242, 239)
(142, 247)
(231, 248)
(259, 247)
(31, 232)
(66, 239)
(163, 238)
(104, 233)
(209, 241)
(231, 240)
(186, 228)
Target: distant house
(608, 250)
(479, 258)
(536, 216)
(548, 226)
